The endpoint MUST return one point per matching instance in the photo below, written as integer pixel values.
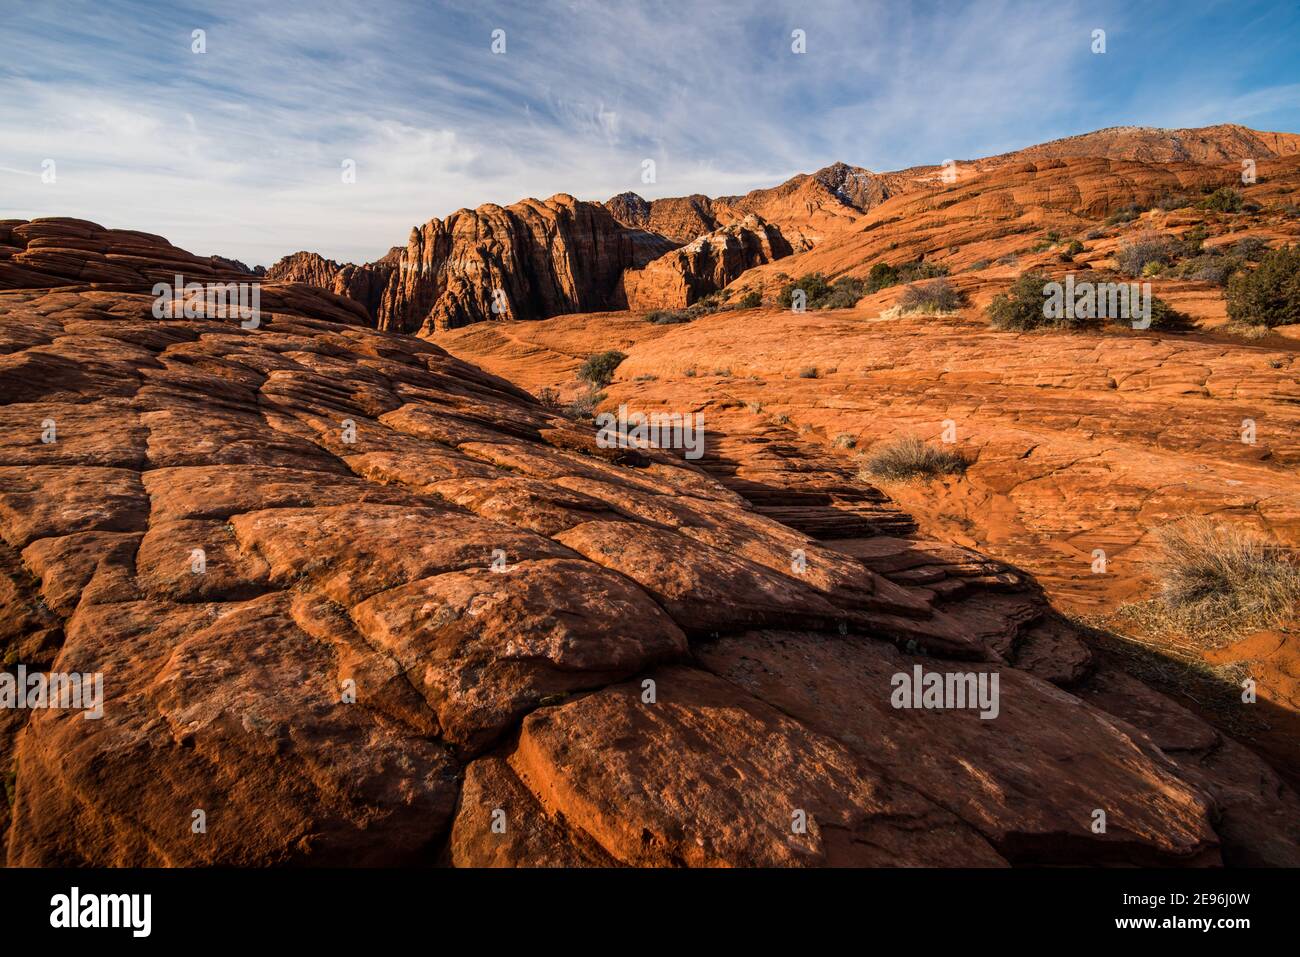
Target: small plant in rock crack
(598, 370)
(911, 458)
(549, 397)
(809, 372)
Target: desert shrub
(937, 295)
(668, 317)
(1164, 318)
(584, 406)
(781, 419)
(844, 441)
(1225, 199)
(549, 397)
(598, 370)
(1209, 267)
(1125, 214)
(910, 458)
(1072, 249)
(1134, 256)
(1250, 248)
(705, 306)
(1244, 331)
(1194, 240)
(1020, 308)
(809, 372)
(1269, 294)
(1223, 578)
(1094, 234)
(978, 265)
(843, 293)
(916, 271)
(1172, 201)
(881, 276)
(750, 300)
(814, 286)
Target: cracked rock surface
(361, 602)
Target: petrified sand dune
(613, 654)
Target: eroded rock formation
(678, 278)
(425, 599)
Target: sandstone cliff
(365, 284)
(679, 278)
(534, 259)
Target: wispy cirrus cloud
(240, 150)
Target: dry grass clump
(910, 458)
(1218, 583)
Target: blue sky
(239, 150)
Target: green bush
(1020, 308)
(1194, 240)
(750, 300)
(1164, 318)
(1225, 199)
(814, 286)
(881, 276)
(1269, 295)
(841, 294)
(844, 294)
(598, 370)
